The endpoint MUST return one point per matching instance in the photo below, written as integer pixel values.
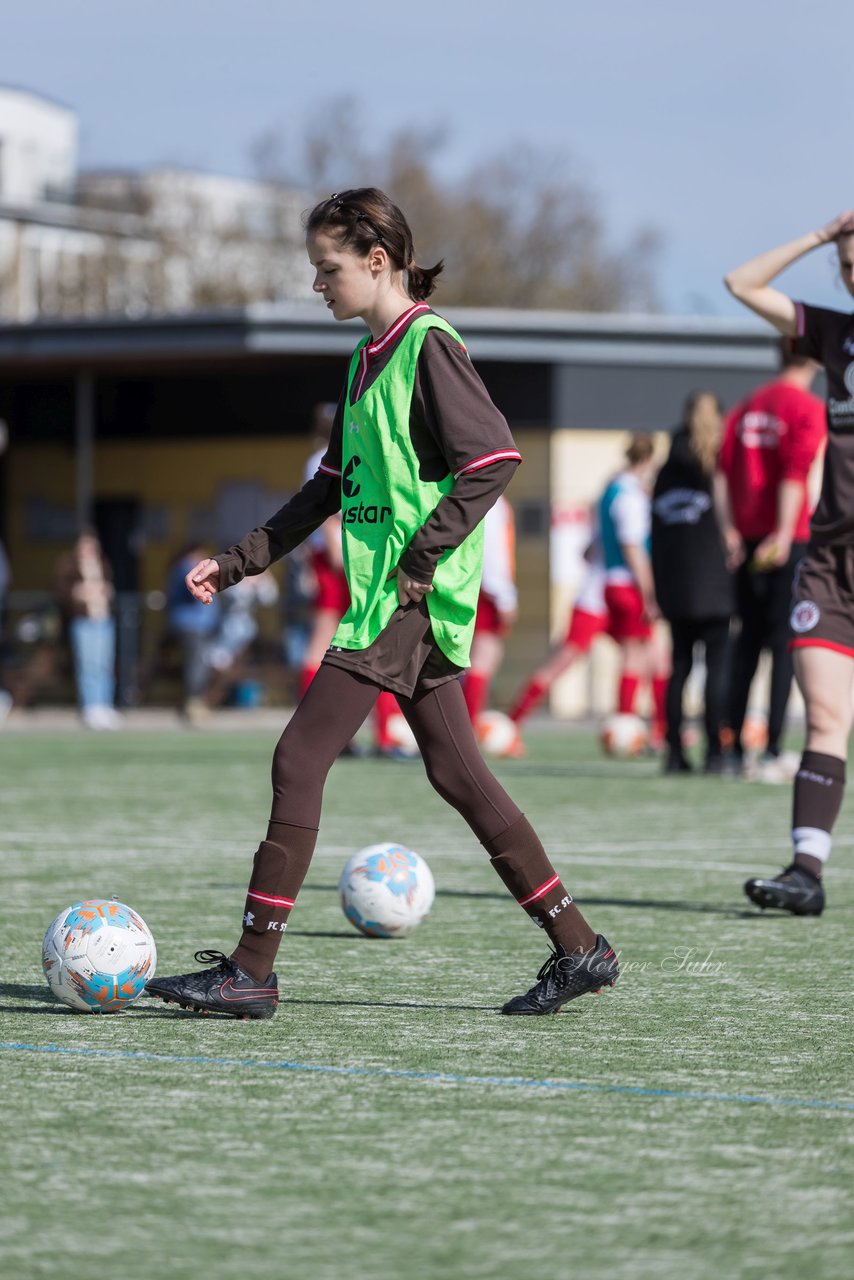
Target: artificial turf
(695, 1122)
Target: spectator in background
(496, 605)
(331, 598)
(298, 585)
(770, 442)
(238, 627)
(693, 586)
(193, 625)
(84, 590)
(624, 523)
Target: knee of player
(445, 781)
(827, 714)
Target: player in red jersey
(822, 617)
(770, 442)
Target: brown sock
(523, 865)
(279, 869)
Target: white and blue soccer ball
(386, 890)
(98, 955)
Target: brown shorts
(823, 600)
(403, 657)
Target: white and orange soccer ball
(98, 955)
(623, 736)
(497, 735)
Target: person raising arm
(822, 617)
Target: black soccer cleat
(224, 989)
(794, 890)
(565, 976)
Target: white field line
(595, 855)
(108, 841)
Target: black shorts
(822, 613)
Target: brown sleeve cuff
(230, 571)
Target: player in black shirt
(822, 618)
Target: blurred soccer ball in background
(386, 890)
(624, 736)
(98, 955)
(497, 735)
(400, 734)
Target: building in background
(169, 429)
(164, 428)
(132, 243)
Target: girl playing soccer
(418, 455)
(822, 618)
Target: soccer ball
(386, 890)
(497, 734)
(98, 955)
(401, 734)
(623, 736)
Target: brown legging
(335, 706)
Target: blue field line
(433, 1077)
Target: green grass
(157, 1144)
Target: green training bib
(384, 503)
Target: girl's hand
(410, 591)
(733, 548)
(771, 553)
(842, 225)
(650, 608)
(203, 581)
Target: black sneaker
(733, 765)
(794, 889)
(677, 762)
(224, 989)
(566, 975)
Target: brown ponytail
(365, 216)
(420, 281)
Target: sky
(720, 125)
